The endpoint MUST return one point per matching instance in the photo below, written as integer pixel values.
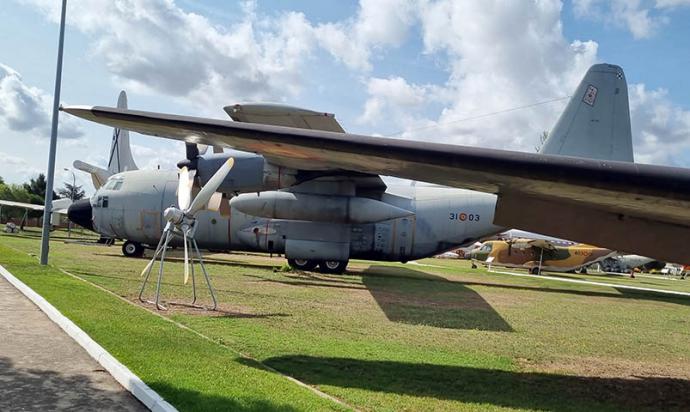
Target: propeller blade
(210, 187)
(184, 187)
(186, 257)
(148, 266)
(214, 203)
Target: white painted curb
(120, 372)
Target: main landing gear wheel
(303, 264)
(333, 266)
(132, 249)
(534, 270)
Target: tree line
(34, 192)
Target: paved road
(42, 368)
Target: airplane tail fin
(596, 122)
(120, 159)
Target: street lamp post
(50, 176)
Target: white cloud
(379, 23)
(642, 19)
(496, 64)
(497, 55)
(667, 4)
(156, 47)
(165, 158)
(24, 108)
(395, 100)
(17, 165)
(661, 130)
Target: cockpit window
(486, 247)
(113, 185)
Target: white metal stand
(162, 247)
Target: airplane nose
(79, 212)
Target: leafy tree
(15, 193)
(73, 192)
(2, 181)
(37, 187)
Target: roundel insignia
(463, 216)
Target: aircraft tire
(132, 249)
(534, 271)
(303, 264)
(333, 266)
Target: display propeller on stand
(181, 222)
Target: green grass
(188, 371)
(435, 336)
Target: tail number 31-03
(462, 216)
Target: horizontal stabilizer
(98, 175)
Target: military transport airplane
(536, 255)
(563, 196)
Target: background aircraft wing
(21, 205)
(622, 206)
(541, 244)
(59, 205)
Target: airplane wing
(21, 205)
(623, 206)
(541, 244)
(59, 205)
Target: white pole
(48, 205)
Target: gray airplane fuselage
(441, 218)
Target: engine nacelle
(250, 173)
(316, 208)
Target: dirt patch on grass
(636, 385)
(201, 309)
(610, 368)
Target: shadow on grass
(190, 400)
(621, 293)
(41, 389)
(529, 390)
(419, 298)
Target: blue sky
(382, 67)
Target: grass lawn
(430, 336)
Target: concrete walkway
(41, 368)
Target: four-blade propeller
(181, 220)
